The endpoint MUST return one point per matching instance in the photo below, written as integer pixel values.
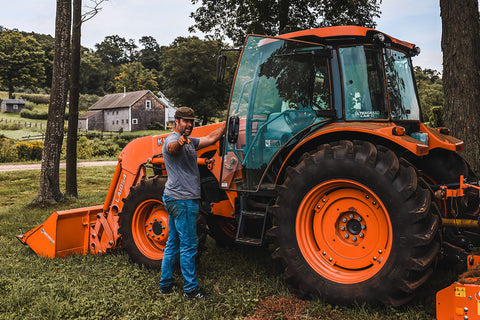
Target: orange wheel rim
(150, 228)
(344, 231)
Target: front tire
(144, 223)
(352, 224)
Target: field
(244, 283)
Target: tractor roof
(348, 35)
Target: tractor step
(244, 234)
(249, 241)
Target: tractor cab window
(401, 87)
(281, 87)
(364, 90)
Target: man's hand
(183, 140)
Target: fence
(101, 135)
(25, 124)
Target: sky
(414, 21)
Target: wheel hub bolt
(361, 235)
(324, 200)
(158, 238)
(342, 228)
(367, 196)
(324, 253)
(354, 238)
(344, 220)
(346, 235)
(364, 227)
(374, 203)
(380, 251)
(350, 216)
(359, 219)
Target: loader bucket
(63, 233)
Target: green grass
(111, 287)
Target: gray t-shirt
(183, 181)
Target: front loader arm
(95, 229)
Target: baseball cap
(185, 113)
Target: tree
(461, 77)
(71, 160)
(115, 50)
(135, 77)
(235, 19)
(151, 53)
(49, 190)
(21, 61)
(189, 76)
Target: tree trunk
(10, 92)
(71, 162)
(49, 190)
(461, 77)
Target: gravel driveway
(37, 166)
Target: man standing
(182, 192)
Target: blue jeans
(183, 240)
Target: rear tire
(352, 224)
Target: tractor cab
(285, 89)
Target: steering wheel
(299, 119)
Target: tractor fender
(378, 133)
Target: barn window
(148, 105)
(134, 121)
(15, 107)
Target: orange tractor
(325, 155)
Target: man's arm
(212, 137)
(175, 147)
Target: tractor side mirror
(221, 62)
(233, 128)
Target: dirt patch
(471, 276)
(280, 308)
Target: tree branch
(92, 10)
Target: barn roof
(13, 101)
(88, 114)
(120, 100)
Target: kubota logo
(120, 187)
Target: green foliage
(31, 150)
(157, 125)
(87, 100)
(115, 50)
(134, 77)
(430, 90)
(189, 76)
(95, 76)
(7, 150)
(26, 113)
(436, 117)
(21, 60)
(151, 53)
(35, 98)
(88, 149)
(10, 126)
(235, 19)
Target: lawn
(244, 282)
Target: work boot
(169, 289)
(196, 294)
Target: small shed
(12, 105)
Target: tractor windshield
(364, 84)
(280, 88)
